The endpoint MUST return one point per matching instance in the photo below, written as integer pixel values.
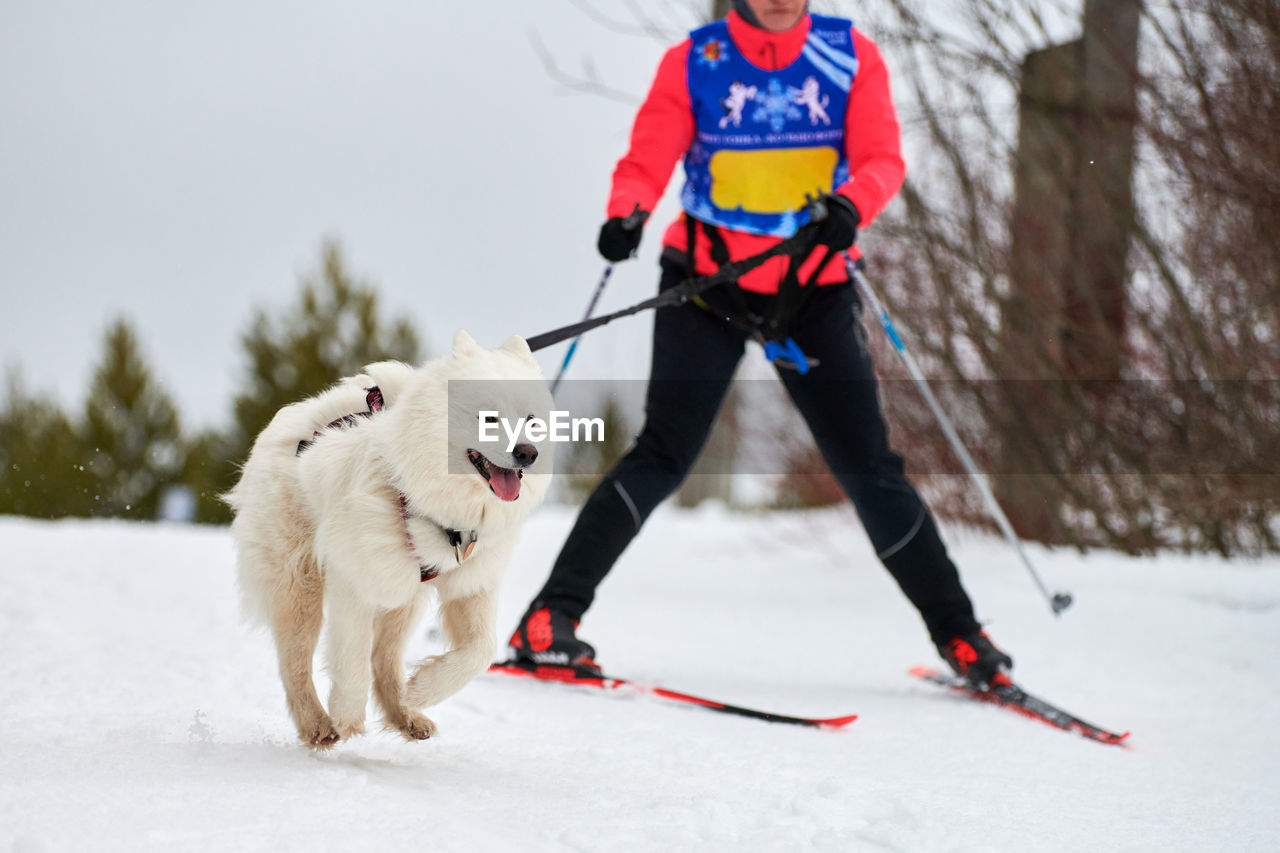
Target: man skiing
(748, 187)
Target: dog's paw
(417, 726)
(321, 735)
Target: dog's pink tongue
(504, 482)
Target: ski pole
(1058, 601)
(591, 307)
(633, 220)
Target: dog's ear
(464, 344)
(517, 346)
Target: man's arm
(873, 137)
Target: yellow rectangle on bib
(772, 180)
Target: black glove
(839, 230)
(620, 235)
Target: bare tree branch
(589, 83)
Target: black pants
(694, 357)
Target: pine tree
(42, 460)
(333, 331)
(208, 473)
(131, 428)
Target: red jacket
(664, 130)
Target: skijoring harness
(773, 332)
(463, 541)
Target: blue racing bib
(766, 139)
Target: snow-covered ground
(139, 714)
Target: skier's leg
(840, 401)
(694, 356)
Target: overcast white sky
(180, 164)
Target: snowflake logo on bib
(777, 105)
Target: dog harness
(463, 541)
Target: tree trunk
(1072, 219)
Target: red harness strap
(372, 399)
(425, 572)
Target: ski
(1020, 701)
(585, 678)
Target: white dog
(362, 518)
